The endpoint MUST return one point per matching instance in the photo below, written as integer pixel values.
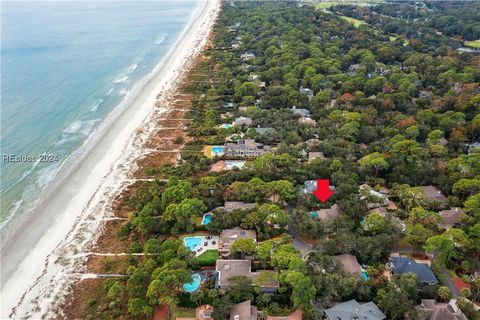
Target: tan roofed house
(315, 155)
(350, 263)
(227, 269)
(228, 236)
(244, 311)
(434, 195)
(238, 205)
(329, 214)
(451, 218)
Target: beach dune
(42, 257)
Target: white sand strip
(39, 264)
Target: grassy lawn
(473, 44)
(327, 4)
(184, 313)
(353, 21)
(208, 258)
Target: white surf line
(35, 294)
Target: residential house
(441, 311)
(203, 312)
(307, 121)
(301, 112)
(244, 311)
(353, 310)
(434, 196)
(401, 265)
(226, 115)
(253, 77)
(350, 264)
(315, 155)
(384, 213)
(262, 131)
(450, 218)
(226, 269)
(347, 96)
(374, 198)
(225, 165)
(307, 92)
(328, 215)
(311, 185)
(228, 236)
(243, 121)
(424, 94)
(238, 205)
(246, 148)
(247, 56)
(353, 69)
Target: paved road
(448, 282)
(298, 243)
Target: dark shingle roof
(401, 265)
(350, 309)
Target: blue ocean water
(64, 66)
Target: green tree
(243, 247)
(374, 161)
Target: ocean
(64, 66)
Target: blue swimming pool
(314, 214)
(207, 217)
(364, 275)
(192, 242)
(217, 149)
(226, 126)
(194, 285)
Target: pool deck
(201, 248)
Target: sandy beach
(46, 252)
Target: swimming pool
(314, 214)
(194, 285)
(364, 275)
(226, 126)
(207, 217)
(192, 242)
(217, 149)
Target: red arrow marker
(323, 190)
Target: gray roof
(227, 269)
(442, 311)
(311, 185)
(239, 121)
(234, 205)
(264, 130)
(401, 265)
(301, 112)
(348, 310)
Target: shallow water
(65, 65)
